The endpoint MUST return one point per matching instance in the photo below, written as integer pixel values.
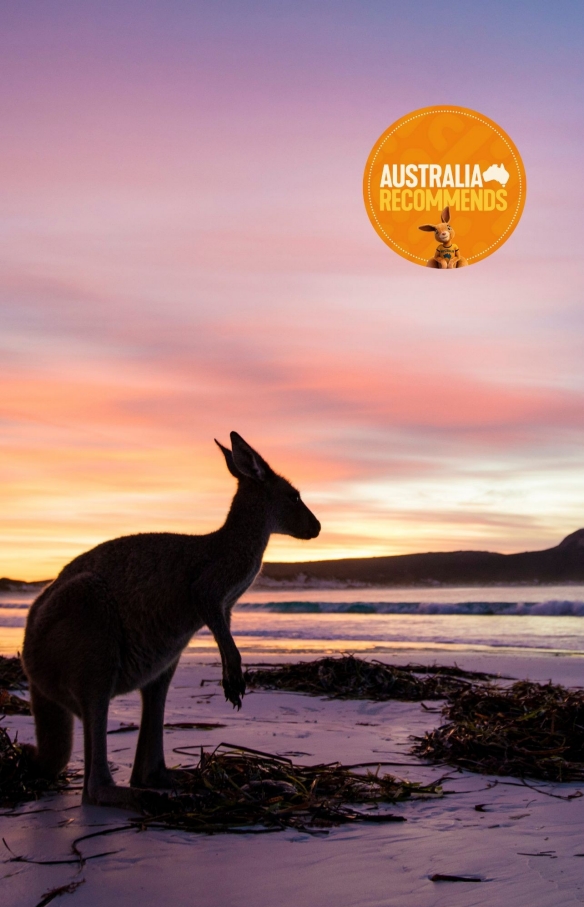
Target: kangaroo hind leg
(98, 786)
(149, 766)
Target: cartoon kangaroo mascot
(447, 254)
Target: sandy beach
(525, 842)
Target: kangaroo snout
(313, 529)
(316, 527)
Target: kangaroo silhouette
(118, 617)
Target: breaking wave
(551, 608)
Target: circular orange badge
(444, 187)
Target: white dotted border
(462, 113)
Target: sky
(184, 251)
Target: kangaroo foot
(234, 688)
(150, 802)
(113, 795)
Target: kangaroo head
(443, 232)
(288, 514)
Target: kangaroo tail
(54, 733)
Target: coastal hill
(562, 564)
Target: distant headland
(562, 564)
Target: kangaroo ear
(446, 216)
(228, 459)
(429, 228)
(248, 461)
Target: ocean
(521, 619)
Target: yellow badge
(440, 173)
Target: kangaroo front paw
(234, 688)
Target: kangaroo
(118, 617)
(447, 254)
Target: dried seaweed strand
(18, 781)
(57, 892)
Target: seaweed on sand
(18, 780)
(355, 678)
(525, 730)
(13, 705)
(528, 729)
(236, 788)
(12, 676)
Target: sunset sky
(185, 251)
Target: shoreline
(265, 585)
(203, 647)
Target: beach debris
(57, 892)
(355, 678)
(173, 726)
(13, 705)
(240, 789)
(193, 725)
(236, 788)
(540, 853)
(18, 780)
(12, 676)
(527, 730)
(442, 877)
(78, 858)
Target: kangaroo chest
(237, 589)
(447, 252)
